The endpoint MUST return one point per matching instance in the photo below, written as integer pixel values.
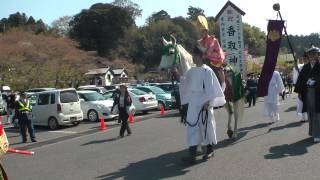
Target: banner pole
(287, 36)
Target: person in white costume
(303, 115)
(271, 101)
(200, 89)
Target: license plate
(73, 118)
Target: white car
(95, 106)
(98, 89)
(143, 101)
(56, 107)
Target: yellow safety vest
(24, 107)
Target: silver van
(57, 107)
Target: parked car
(56, 107)
(94, 105)
(34, 90)
(142, 101)
(110, 87)
(100, 90)
(3, 105)
(173, 90)
(164, 99)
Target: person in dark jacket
(123, 102)
(252, 86)
(308, 89)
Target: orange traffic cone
(102, 124)
(162, 110)
(131, 119)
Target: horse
(175, 56)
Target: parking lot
(45, 136)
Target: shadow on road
(101, 141)
(290, 125)
(164, 166)
(257, 126)
(293, 108)
(286, 150)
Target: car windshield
(93, 96)
(166, 87)
(108, 94)
(137, 92)
(157, 90)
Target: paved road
(280, 151)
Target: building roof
(115, 72)
(118, 71)
(229, 3)
(97, 71)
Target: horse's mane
(186, 59)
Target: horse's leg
(229, 111)
(236, 118)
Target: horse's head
(170, 54)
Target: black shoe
(129, 134)
(208, 156)
(33, 140)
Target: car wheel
(160, 104)
(53, 123)
(93, 116)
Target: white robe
(271, 101)
(200, 85)
(304, 116)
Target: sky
(301, 17)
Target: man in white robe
(303, 115)
(271, 101)
(202, 92)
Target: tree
(100, 27)
(62, 26)
(31, 21)
(17, 19)
(254, 39)
(194, 12)
(160, 15)
(128, 5)
(28, 60)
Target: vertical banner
(275, 28)
(231, 36)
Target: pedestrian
(308, 89)
(23, 112)
(200, 89)
(251, 86)
(123, 102)
(283, 78)
(11, 107)
(299, 103)
(271, 101)
(290, 84)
